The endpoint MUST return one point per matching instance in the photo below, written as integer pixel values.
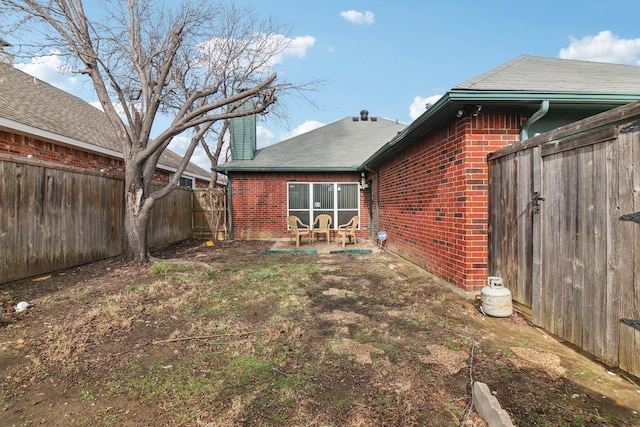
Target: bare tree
(145, 58)
(235, 60)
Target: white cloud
(299, 46)
(295, 47)
(358, 18)
(266, 49)
(419, 105)
(264, 137)
(305, 127)
(51, 69)
(201, 159)
(179, 145)
(605, 47)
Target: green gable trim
(459, 96)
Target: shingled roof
(571, 89)
(30, 106)
(339, 146)
(548, 75)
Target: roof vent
(364, 115)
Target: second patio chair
(323, 224)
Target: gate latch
(536, 202)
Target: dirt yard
(231, 336)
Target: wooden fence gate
(565, 236)
(209, 213)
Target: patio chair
(298, 229)
(323, 222)
(348, 230)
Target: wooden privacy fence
(562, 234)
(54, 217)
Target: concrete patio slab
(322, 247)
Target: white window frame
(312, 209)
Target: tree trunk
(136, 219)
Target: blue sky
(391, 58)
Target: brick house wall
(19, 145)
(433, 197)
(259, 202)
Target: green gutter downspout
(544, 108)
(230, 205)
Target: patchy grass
(230, 336)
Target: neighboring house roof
(563, 90)
(339, 146)
(29, 105)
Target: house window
(307, 200)
(185, 182)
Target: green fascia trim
(487, 96)
(352, 251)
(301, 251)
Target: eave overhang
(224, 169)
(444, 110)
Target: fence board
(524, 247)
(496, 227)
(627, 353)
(536, 238)
(633, 364)
(600, 265)
(612, 303)
(551, 239)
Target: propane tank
(496, 299)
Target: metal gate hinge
(631, 128)
(631, 322)
(631, 217)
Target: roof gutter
(542, 111)
(226, 169)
